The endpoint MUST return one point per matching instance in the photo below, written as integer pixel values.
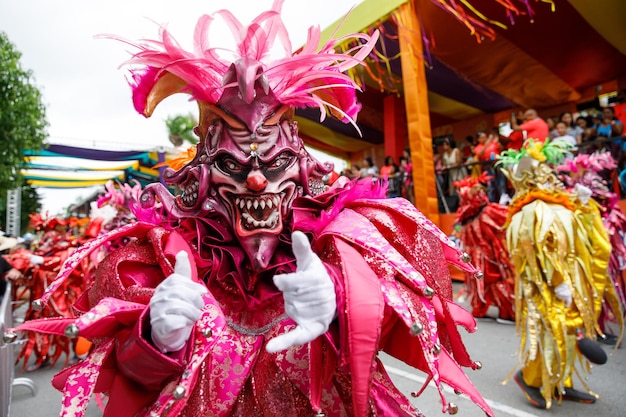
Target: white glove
(584, 193)
(35, 259)
(309, 296)
(563, 293)
(175, 306)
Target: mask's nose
(256, 181)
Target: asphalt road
(493, 344)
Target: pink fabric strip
(364, 310)
(132, 229)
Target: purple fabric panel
(446, 82)
(96, 154)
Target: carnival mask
(250, 164)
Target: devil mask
(250, 163)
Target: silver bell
(72, 330)
(9, 336)
(179, 392)
(416, 328)
(37, 305)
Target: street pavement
(493, 344)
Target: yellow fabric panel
(361, 17)
(417, 112)
(607, 17)
(451, 108)
(66, 184)
(149, 171)
(325, 135)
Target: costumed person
(483, 238)
(55, 245)
(8, 272)
(586, 169)
(560, 251)
(109, 212)
(258, 290)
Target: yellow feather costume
(554, 238)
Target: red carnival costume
(258, 290)
(54, 247)
(484, 240)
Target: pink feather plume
(309, 78)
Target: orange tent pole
(418, 119)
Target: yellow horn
(164, 87)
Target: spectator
(7, 272)
(585, 126)
(533, 126)
(609, 125)
(466, 148)
(353, 172)
(573, 129)
(551, 122)
(391, 171)
(486, 152)
(440, 174)
(369, 168)
(563, 133)
(515, 139)
(453, 162)
(488, 147)
(407, 184)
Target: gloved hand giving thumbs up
(309, 296)
(175, 306)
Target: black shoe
(608, 339)
(532, 394)
(571, 394)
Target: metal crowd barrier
(7, 357)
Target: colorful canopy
(481, 61)
(61, 166)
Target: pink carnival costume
(584, 170)
(484, 240)
(253, 240)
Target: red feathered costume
(484, 241)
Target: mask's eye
(282, 161)
(231, 166)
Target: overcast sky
(85, 92)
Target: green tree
(23, 124)
(180, 129)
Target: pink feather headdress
(308, 78)
(597, 161)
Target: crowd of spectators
(476, 154)
(587, 133)
(398, 175)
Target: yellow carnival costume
(560, 251)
